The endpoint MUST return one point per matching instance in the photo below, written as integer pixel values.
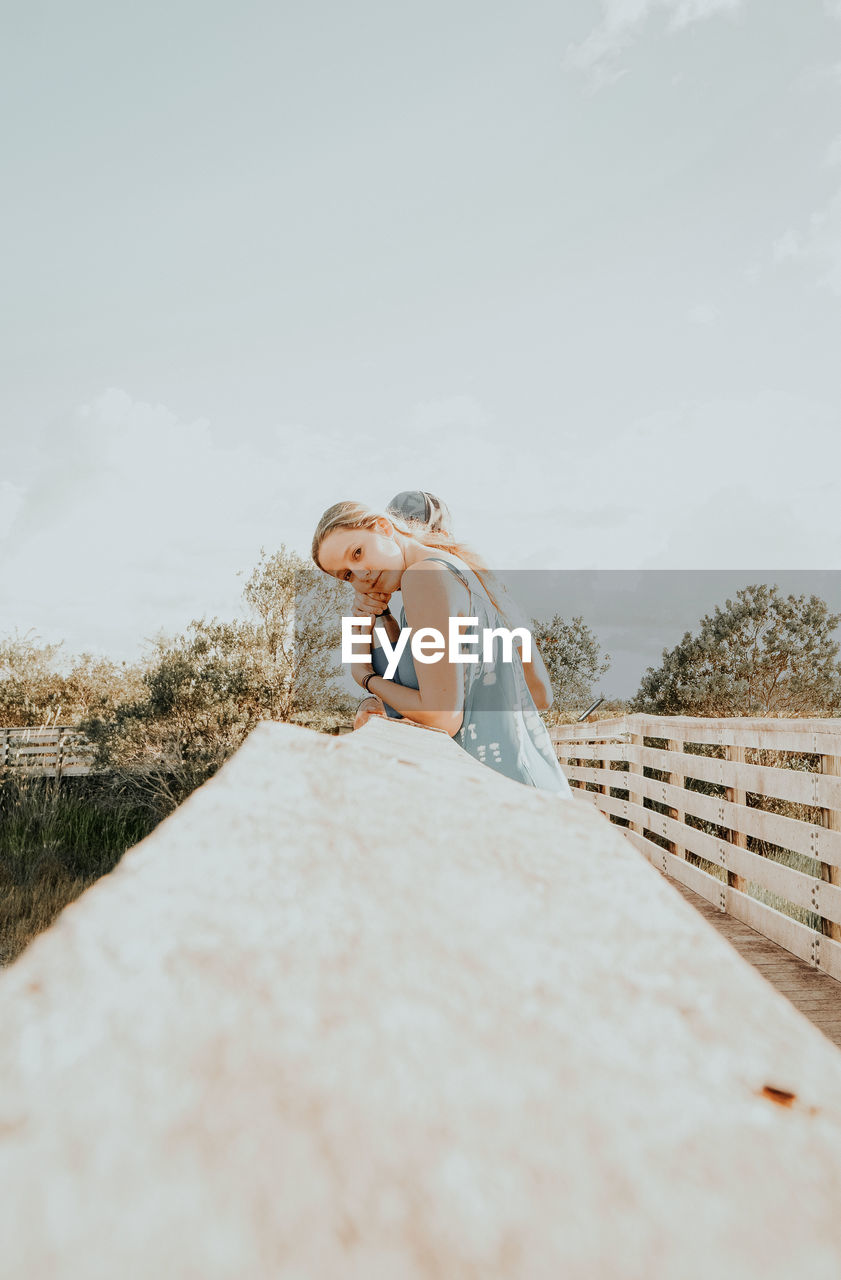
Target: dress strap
(454, 568)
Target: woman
(431, 513)
(486, 706)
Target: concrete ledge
(277, 1043)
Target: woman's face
(369, 559)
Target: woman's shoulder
(432, 573)
(437, 561)
(438, 568)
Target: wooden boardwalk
(814, 994)
(271, 1044)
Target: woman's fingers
(367, 708)
(367, 607)
(375, 600)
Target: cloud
(12, 498)
(137, 520)
(786, 246)
(704, 313)
(622, 20)
(454, 413)
(693, 486)
(725, 530)
(133, 521)
(817, 246)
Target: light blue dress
(501, 726)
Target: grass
(57, 836)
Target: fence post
(738, 838)
(676, 780)
(635, 767)
(574, 762)
(4, 750)
(59, 762)
(831, 818)
(599, 750)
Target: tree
(573, 659)
(41, 687)
(763, 654)
(202, 692)
(200, 695)
(299, 610)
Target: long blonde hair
(356, 515)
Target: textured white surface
(276, 1043)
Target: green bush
(57, 836)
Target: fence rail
(758, 837)
(60, 751)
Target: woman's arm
(429, 599)
(371, 605)
(537, 677)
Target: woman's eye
(347, 573)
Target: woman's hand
(360, 670)
(369, 604)
(367, 708)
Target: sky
(575, 268)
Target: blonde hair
(356, 515)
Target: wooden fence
(745, 812)
(60, 751)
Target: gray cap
(416, 504)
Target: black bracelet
(386, 613)
(367, 681)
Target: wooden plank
(786, 784)
(676, 785)
(831, 874)
(820, 952)
(591, 773)
(634, 771)
(677, 868)
(40, 771)
(34, 733)
(595, 751)
(797, 887)
(788, 833)
(823, 844)
(620, 808)
(812, 735)
(45, 752)
(593, 731)
(736, 797)
(814, 994)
